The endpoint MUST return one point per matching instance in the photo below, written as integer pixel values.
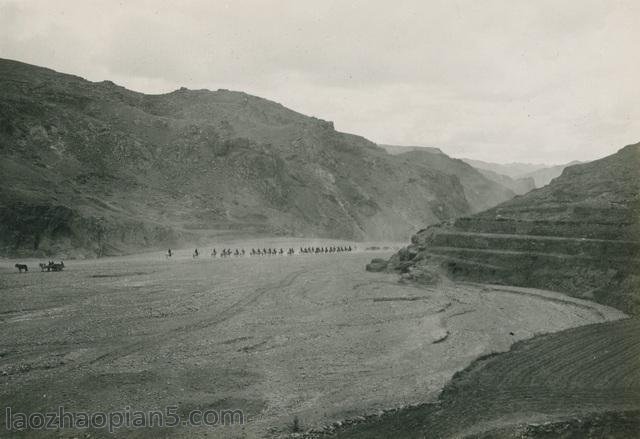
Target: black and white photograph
(295, 219)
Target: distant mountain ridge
(543, 176)
(540, 173)
(513, 170)
(481, 192)
(401, 149)
(519, 186)
(91, 168)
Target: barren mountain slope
(474, 184)
(93, 169)
(481, 192)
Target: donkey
(21, 267)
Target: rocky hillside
(481, 192)
(90, 169)
(493, 183)
(579, 235)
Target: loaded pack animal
(52, 266)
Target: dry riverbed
(312, 337)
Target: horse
(44, 266)
(21, 267)
(57, 267)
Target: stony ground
(312, 337)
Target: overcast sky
(509, 80)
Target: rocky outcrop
(579, 235)
(376, 265)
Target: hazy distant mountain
(543, 176)
(481, 192)
(580, 234)
(540, 173)
(513, 170)
(519, 186)
(93, 169)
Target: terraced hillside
(578, 383)
(579, 235)
(91, 169)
